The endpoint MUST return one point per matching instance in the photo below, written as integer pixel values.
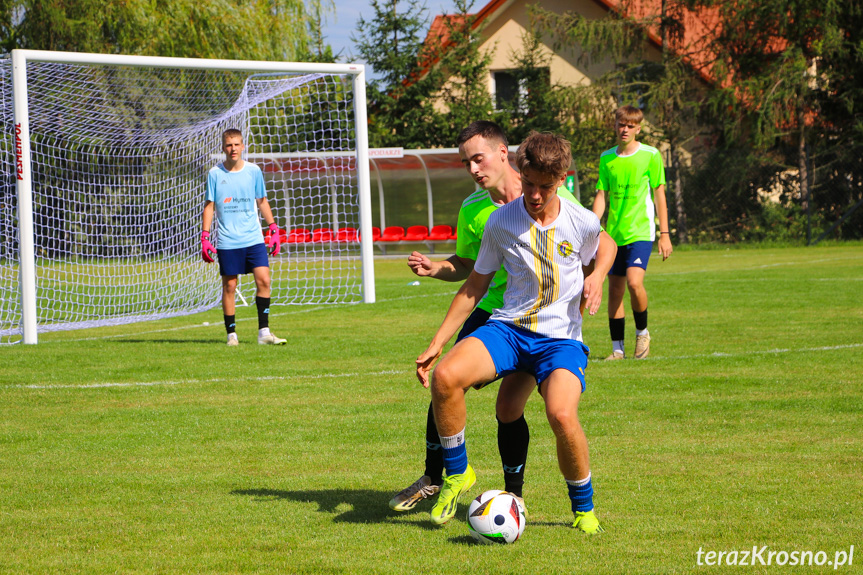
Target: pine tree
(464, 95)
(791, 90)
(399, 94)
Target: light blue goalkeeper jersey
(234, 195)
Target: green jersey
(472, 218)
(628, 183)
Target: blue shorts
(476, 319)
(242, 260)
(634, 255)
(515, 349)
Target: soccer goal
(106, 159)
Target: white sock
(642, 332)
(618, 346)
(453, 440)
(579, 482)
(264, 331)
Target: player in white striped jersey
(543, 243)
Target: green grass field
(154, 448)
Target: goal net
(115, 153)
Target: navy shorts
(634, 255)
(515, 349)
(242, 260)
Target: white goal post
(106, 163)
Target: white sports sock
(453, 440)
(617, 346)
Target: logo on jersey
(228, 200)
(564, 248)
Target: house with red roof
(503, 24)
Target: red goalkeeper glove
(207, 249)
(275, 239)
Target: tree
(230, 29)
(319, 50)
(579, 113)
(791, 90)
(399, 93)
(667, 90)
(463, 95)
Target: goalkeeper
(235, 193)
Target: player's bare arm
(469, 294)
(598, 207)
(602, 263)
(664, 243)
(266, 211)
(452, 269)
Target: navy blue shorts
(634, 255)
(242, 260)
(515, 349)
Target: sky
(340, 25)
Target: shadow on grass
(350, 505)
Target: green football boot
(587, 522)
(447, 502)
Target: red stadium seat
(347, 235)
(299, 236)
(323, 235)
(416, 234)
(392, 234)
(441, 232)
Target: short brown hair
(628, 114)
(231, 133)
(544, 152)
(488, 130)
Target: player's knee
(563, 420)
(616, 291)
(635, 284)
(508, 410)
(446, 380)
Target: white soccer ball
(495, 517)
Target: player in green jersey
(632, 184)
(484, 152)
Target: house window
(512, 89)
(507, 91)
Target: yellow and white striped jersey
(543, 266)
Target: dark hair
(488, 130)
(544, 152)
(231, 133)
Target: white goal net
(118, 158)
